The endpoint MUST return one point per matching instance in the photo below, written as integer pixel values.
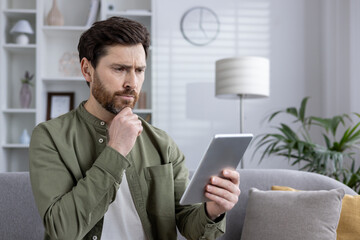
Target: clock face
(200, 26)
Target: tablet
(224, 151)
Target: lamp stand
(22, 39)
(241, 96)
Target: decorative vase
(25, 137)
(54, 17)
(25, 95)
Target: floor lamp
(242, 77)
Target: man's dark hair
(115, 30)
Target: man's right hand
(123, 131)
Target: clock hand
(201, 22)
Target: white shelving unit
(141, 11)
(14, 61)
(42, 57)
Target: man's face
(118, 77)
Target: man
(100, 171)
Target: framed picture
(59, 103)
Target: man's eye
(120, 69)
(140, 70)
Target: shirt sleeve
(192, 220)
(70, 207)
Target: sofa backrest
(19, 218)
(265, 178)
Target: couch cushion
(283, 215)
(348, 228)
(263, 179)
(19, 218)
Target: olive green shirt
(75, 176)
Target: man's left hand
(223, 193)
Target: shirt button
(94, 237)
(102, 123)
(101, 140)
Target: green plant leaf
(294, 143)
(327, 141)
(288, 132)
(292, 111)
(322, 122)
(273, 115)
(334, 123)
(357, 114)
(350, 138)
(302, 109)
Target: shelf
(19, 13)
(63, 79)
(53, 57)
(16, 48)
(16, 146)
(58, 30)
(20, 110)
(143, 111)
(134, 13)
(64, 28)
(140, 16)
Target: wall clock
(200, 26)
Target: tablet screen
(224, 151)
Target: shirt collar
(89, 118)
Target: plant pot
(25, 95)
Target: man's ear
(86, 69)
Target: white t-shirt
(122, 221)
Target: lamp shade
(22, 26)
(245, 76)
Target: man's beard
(108, 100)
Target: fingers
(220, 204)
(224, 192)
(125, 111)
(123, 131)
(129, 125)
(222, 197)
(223, 188)
(230, 183)
(131, 120)
(140, 128)
(232, 175)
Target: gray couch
(264, 179)
(19, 218)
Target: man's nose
(131, 80)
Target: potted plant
(25, 91)
(296, 144)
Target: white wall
(287, 71)
(332, 58)
(354, 55)
(193, 121)
(314, 51)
